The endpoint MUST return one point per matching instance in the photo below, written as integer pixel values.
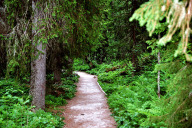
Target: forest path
(88, 109)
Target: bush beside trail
(15, 109)
(133, 99)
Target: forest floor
(89, 108)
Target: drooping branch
(178, 18)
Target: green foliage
(12, 92)
(70, 90)
(71, 26)
(169, 67)
(180, 106)
(174, 15)
(20, 116)
(15, 110)
(56, 101)
(80, 65)
(113, 76)
(102, 30)
(133, 100)
(121, 39)
(68, 86)
(62, 91)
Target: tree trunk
(4, 27)
(38, 64)
(3, 49)
(3, 58)
(57, 69)
(134, 56)
(57, 75)
(158, 77)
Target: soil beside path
(89, 108)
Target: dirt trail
(89, 108)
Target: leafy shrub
(12, 92)
(133, 100)
(15, 110)
(109, 87)
(70, 90)
(132, 104)
(80, 65)
(18, 116)
(53, 100)
(62, 91)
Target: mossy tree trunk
(38, 65)
(4, 28)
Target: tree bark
(134, 56)
(3, 21)
(38, 64)
(57, 69)
(158, 77)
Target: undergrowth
(15, 108)
(80, 65)
(62, 91)
(133, 99)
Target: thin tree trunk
(134, 56)
(158, 77)
(57, 75)
(38, 65)
(4, 27)
(3, 49)
(133, 50)
(57, 69)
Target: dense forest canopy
(140, 50)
